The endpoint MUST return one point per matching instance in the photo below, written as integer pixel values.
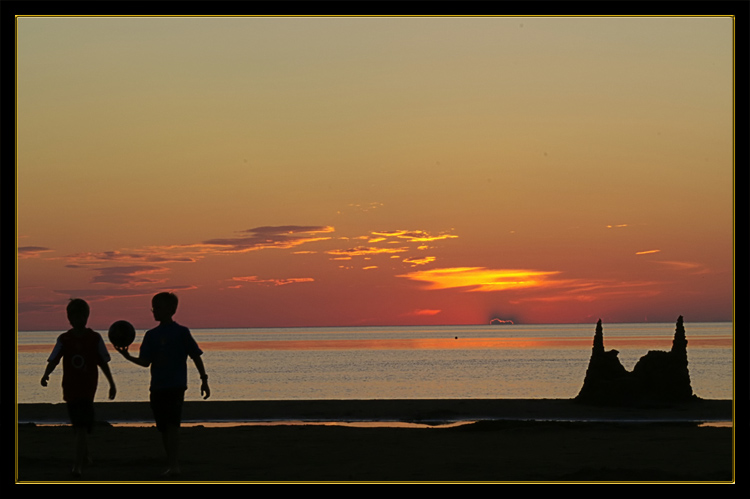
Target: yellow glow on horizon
(429, 343)
(481, 279)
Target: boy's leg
(171, 439)
(82, 450)
(81, 413)
(167, 408)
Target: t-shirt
(167, 348)
(81, 354)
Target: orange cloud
(647, 252)
(274, 282)
(425, 312)
(364, 250)
(413, 235)
(480, 278)
(419, 261)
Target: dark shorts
(81, 413)
(166, 404)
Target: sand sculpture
(658, 379)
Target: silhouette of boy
(165, 349)
(83, 353)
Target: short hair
(78, 309)
(167, 300)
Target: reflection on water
(716, 424)
(443, 362)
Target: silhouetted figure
(659, 378)
(83, 353)
(165, 349)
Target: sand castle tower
(606, 378)
(658, 378)
(663, 377)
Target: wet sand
(519, 441)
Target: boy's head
(164, 306)
(78, 312)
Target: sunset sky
(326, 171)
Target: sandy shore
(653, 445)
(391, 410)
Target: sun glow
(481, 279)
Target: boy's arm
(47, 371)
(205, 390)
(135, 360)
(112, 389)
(52, 361)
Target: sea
(518, 361)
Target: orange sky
(280, 172)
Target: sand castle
(658, 379)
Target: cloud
(697, 268)
(151, 255)
(270, 230)
(424, 311)
(285, 236)
(108, 293)
(365, 207)
(647, 252)
(128, 275)
(413, 235)
(419, 261)
(31, 251)
(619, 226)
(365, 250)
(541, 286)
(587, 291)
(274, 282)
(496, 320)
(480, 278)
(30, 307)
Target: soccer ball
(121, 333)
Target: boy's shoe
(171, 473)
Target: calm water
(519, 361)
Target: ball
(121, 333)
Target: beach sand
(526, 445)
